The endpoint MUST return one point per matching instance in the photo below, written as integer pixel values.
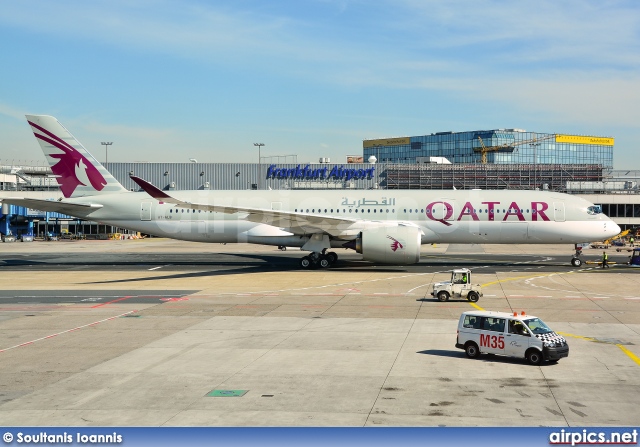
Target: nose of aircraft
(611, 228)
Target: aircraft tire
(332, 257)
(324, 262)
(576, 262)
(305, 262)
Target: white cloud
(11, 111)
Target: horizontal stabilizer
(55, 206)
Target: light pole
(535, 145)
(259, 145)
(106, 145)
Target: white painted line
(423, 285)
(68, 330)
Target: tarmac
(158, 332)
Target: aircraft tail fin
(77, 171)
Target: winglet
(154, 192)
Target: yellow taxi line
(631, 355)
(566, 334)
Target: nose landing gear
(576, 259)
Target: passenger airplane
(385, 226)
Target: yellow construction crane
(485, 149)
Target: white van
(524, 336)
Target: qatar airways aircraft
(385, 226)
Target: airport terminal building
(496, 159)
(499, 146)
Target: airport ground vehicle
(460, 286)
(634, 260)
(515, 335)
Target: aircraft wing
(284, 219)
(56, 206)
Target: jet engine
(390, 245)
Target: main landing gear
(318, 260)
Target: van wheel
(443, 296)
(534, 357)
(472, 351)
(473, 297)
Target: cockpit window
(595, 209)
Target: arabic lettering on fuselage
(366, 202)
(307, 173)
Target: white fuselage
(456, 216)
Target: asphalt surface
(138, 333)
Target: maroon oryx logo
(72, 169)
(396, 244)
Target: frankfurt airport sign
(308, 173)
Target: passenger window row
(356, 210)
(188, 210)
(344, 211)
(497, 211)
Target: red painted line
(386, 294)
(319, 294)
(67, 331)
(112, 301)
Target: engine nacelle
(390, 245)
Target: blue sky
(173, 80)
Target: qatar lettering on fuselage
(491, 210)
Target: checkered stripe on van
(552, 337)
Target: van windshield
(537, 326)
